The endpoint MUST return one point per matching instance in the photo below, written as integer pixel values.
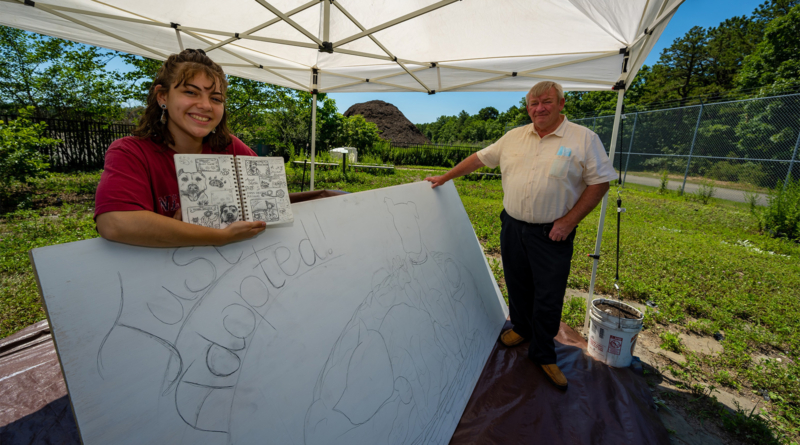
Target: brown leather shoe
(555, 375)
(510, 338)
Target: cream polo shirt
(541, 180)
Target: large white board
(366, 321)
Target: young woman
(137, 200)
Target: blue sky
(422, 108)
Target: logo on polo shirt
(168, 203)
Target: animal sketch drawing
(193, 186)
(266, 210)
(208, 219)
(415, 338)
(229, 213)
(207, 216)
(260, 168)
(216, 182)
(272, 210)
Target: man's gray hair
(542, 87)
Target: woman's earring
(214, 130)
(163, 113)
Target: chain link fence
(749, 144)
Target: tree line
(486, 125)
(55, 78)
(756, 55)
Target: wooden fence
(82, 144)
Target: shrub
(423, 155)
(671, 342)
(781, 217)
(20, 141)
(673, 164)
(355, 131)
(751, 426)
(574, 313)
(662, 189)
(751, 198)
(725, 378)
(749, 172)
(724, 171)
(706, 191)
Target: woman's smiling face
(194, 108)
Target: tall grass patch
(781, 217)
(22, 231)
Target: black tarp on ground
(34, 407)
(514, 403)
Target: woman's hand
(242, 230)
(146, 228)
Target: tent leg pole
(603, 207)
(313, 137)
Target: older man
(554, 173)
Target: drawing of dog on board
(420, 315)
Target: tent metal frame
(204, 35)
(625, 77)
(390, 23)
(599, 239)
(325, 45)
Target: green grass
(702, 326)
(22, 230)
(748, 426)
(706, 266)
(674, 178)
(671, 342)
(574, 312)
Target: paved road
(721, 193)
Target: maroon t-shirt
(140, 175)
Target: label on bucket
(596, 345)
(614, 344)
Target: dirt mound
(391, 121)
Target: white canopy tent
(378, 45)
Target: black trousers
(536, 269)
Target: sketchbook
(218, 190)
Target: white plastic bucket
(612, 339)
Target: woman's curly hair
(177, 70)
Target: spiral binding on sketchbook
(239, 189)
